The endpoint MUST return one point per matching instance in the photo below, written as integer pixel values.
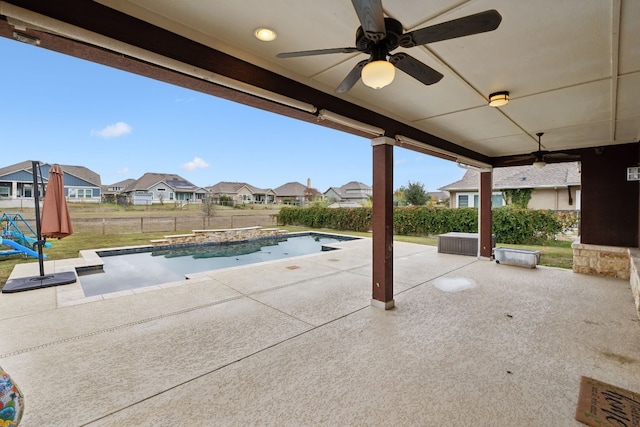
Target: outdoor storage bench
(520, 257)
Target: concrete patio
(296, 342)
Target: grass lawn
(554, 254)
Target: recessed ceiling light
(265, 34)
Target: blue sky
(59, 109)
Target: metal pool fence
(127, 225)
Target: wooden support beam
(382, 222)
(485, 223)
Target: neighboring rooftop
(552, 175)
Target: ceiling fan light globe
(539, 164)
(378, 74)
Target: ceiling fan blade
(481, 22)
(371, 18)
(518, 159)
(352, 78)
(416, 69)
(317, 52)
(561, 156)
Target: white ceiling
(572, 67)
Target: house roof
(120, 184)
(552, 175)
(355, 185)
(150, 179)
(82, 173)
(295, 189)
(77, 171)
(351, 190)
(225, 187)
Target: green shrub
(510, 225)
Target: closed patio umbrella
(56, 222)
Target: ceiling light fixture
(498, 99)
(265, 34)
(378, 74)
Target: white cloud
(113, 131)
(196, 163)
(123, 171)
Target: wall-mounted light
(411, 144)
(349, 122)
(378, 74)
(265, 34)
(498, 99)
(25, 38)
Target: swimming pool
(125, 270)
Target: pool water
(135, 270)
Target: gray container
(460, 243)
(520, 257)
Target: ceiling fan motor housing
(393, 29)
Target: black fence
(127, 225)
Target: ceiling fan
(378, 36)
(542, 157)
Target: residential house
(351, 192)
(235, 193)
(111, 192)
(161, 188)
(555, 186)
(16, 183)
(297, 194)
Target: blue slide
(19, 248)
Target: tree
(415, 194)
(208, 208)
(399, 198)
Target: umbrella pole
(35, 166)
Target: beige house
(351, 192)
(238, 193)
(295, 193)
(555, 186)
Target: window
(472, 200)
(78, 193)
